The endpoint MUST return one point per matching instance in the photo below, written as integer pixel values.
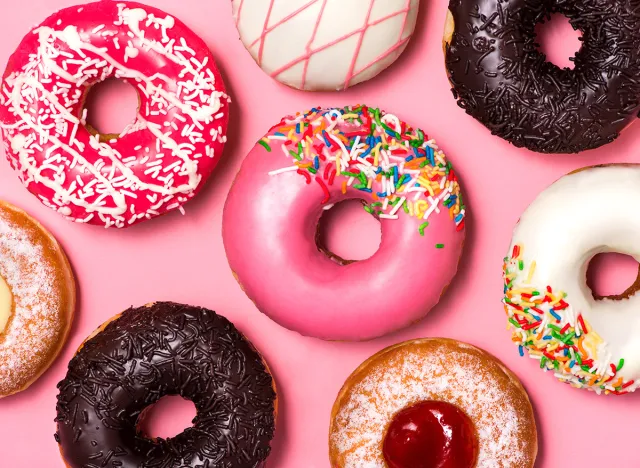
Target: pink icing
(160, 160)
(269, 227)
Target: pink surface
(182, 259)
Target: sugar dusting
(461, 376)
(34, 327)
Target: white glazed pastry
(325, 44)
(585, 342)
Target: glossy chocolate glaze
(157, 350)
(500, 78)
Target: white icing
(443, 374)
(191, 99)
(579, 216)
(130, 52)
(339, 43)
(6, 301)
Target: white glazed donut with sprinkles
(157, 162)
(585, 341)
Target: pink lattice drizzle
(325, 44)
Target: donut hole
(557, 39)
(347, 233)
(613, 275)
(170, 416)
(111, 105)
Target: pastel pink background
(181, 258)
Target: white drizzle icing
(56, 154)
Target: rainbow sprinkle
(546, 325)
(396, 169)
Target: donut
(37, 299)
(302, 167)
(499, 76)
(161, 349)
(325, 44)
(160, 160)
(585, 341)
(432, 402)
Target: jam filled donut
(432, 403)
(325, 44)
(501, 78)
(303, 166)
(37, 299)
(166, 349)
(156, 163)
(552, 313)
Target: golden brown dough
(43, 296)
(433, 369)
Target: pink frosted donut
(160, 160)
(304, 165)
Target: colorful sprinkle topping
(546, 325)
(398, 168)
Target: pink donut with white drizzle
(160, 160)
(304, 165)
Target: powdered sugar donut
(325, 44)
(432, 402)
(304, 165)
(37, 299)
(160, 160)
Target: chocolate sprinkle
(166, 349)
(501, 78)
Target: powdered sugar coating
(442, 370)
(38, 278)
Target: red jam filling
(430, 434)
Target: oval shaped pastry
(303, 166)
(162, 349)
(585, 341)
(325, 45)
(160, 160)
(37, 299)
(393, 409)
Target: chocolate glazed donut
(166, 349)
(500, 78)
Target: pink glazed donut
(304, 165)
(160, 160)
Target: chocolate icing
(157, 350)
(501, 78)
